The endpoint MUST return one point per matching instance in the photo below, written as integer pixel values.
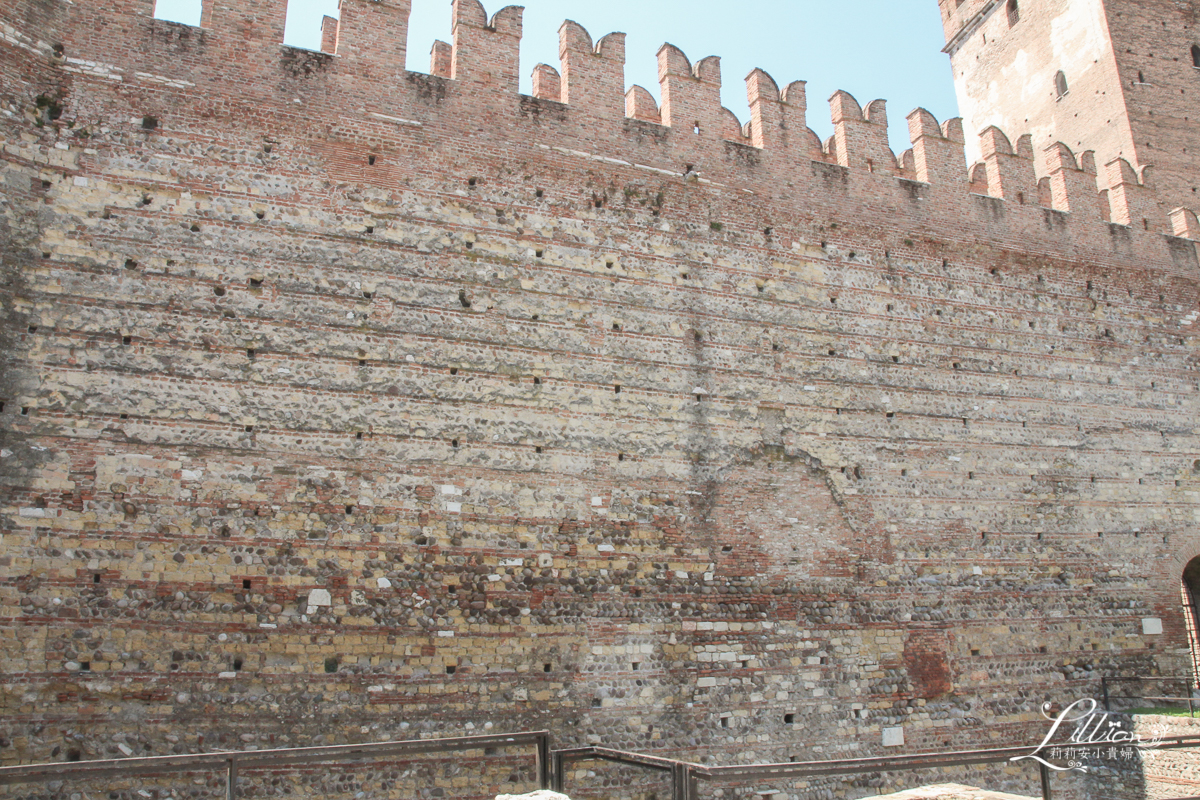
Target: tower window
(1014, 13)
(1196, 56)
(1060, 84)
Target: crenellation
(977, 177)
(1184, 224)
(691, 100)
(441, 59)
(258, 27)
(640, 104)
(860, 140)
(547, 84)
(1072, 184)
(373, 34)
(329, 34)
(937, 151)
(486, 52)
(593, 76)
(778, 119)
(1010, 173)
(1133, 201)
(732, 129)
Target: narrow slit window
(1060, 84)
(1196, 56)
(1014, 13)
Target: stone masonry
(344, 403)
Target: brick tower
(1120, 77)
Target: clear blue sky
(870, 48)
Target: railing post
(1104, 688)
(679, 778)
(556, 774)
(1045, 771)
(543, 760)
(691, 789)
(231, 781)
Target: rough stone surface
(343, 403)
(948, 791)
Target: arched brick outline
(1167, 603)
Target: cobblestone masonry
(343, 403)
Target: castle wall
(340, 409)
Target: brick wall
(343, 403)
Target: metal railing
(551, 765)
(686, 776)
(1106, 683)
(230, 762)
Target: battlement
(585, 101)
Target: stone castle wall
(343, 403)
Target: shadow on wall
(303, 28)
